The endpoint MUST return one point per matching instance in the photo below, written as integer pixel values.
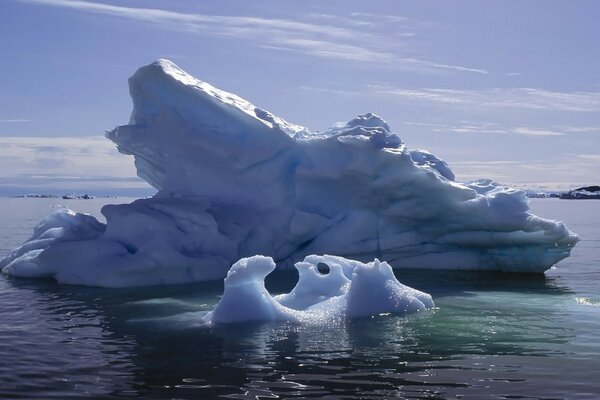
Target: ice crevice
(234, 181)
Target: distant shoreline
(582, 193)
(63, 196)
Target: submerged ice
(349, 289)
(234, 180)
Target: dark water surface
(492, 336)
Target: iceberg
(349, 289)
(234, 180)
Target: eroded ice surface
(234, 180)
(349, 289)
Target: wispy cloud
(581, 129)
(350, 38)
(80, 163)
(341, 91)
(488, 162)
(495, 128)
(523, 98)
(536, 132)
(230, 25)
(330, 49)
(589, 157)
(378, 18)
(14, 120)
(444, 66)
(425, 124)
(351, 21)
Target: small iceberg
(350, 289)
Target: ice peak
(171, 69)
(368, 120)
(366, 128)
(165, 75)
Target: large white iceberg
(349, 289)
(234, 180)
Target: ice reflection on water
(485, 338)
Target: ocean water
(492, 335)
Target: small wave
(587, 301)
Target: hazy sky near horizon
(503, 89)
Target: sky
(504, 89)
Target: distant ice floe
(234, 180)
(350, 289)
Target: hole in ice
(323, 268)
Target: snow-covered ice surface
(234, 180)
(349, 289)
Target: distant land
(71, 196)
(582, 193)
(79, 195)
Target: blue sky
(503, 89)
